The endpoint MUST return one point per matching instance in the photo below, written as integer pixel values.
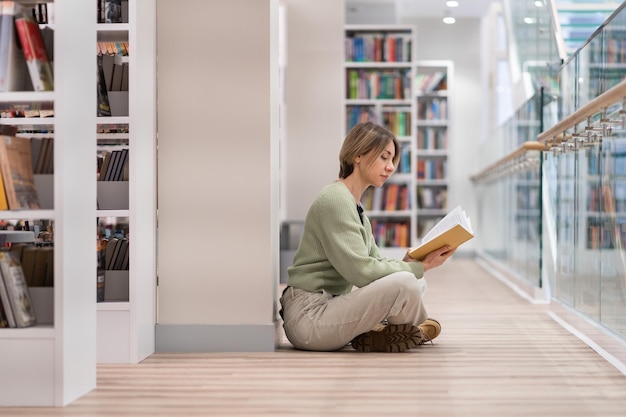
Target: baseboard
(195, 338)
(599, 338)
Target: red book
(35, 52)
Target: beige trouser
(323, 322)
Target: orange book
(391, 201)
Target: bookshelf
(52, 364)
(379, 74)
(126, 315)
(433, 84)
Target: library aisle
(498, 355)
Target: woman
(340, 289)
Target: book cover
(17, 173)
(34, 49)
(454, 230)
(13, 70)
(17, 290)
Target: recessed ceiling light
(538, 3)
(449, 20)
(530, 20)
(452, 3)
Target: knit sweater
(337, 251)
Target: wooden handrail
(604, 100)
(521, 150)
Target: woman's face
(382, 167)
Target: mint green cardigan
(336, 251)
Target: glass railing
(574, 248)
(509, 196)
(585, 171)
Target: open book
(454, 229)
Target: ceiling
(402, 9)
(437, 8)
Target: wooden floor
(498, 355)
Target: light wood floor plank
(498, 355)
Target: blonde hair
(362, 139)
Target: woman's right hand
(437, 257)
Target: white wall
(217, 174)
(314, 107)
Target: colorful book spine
(34, 49)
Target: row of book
(607, 199)
(391, 197)
(612, 51)
(37, 261)
(359, 114)
(12, 113)
(435, 108)
(113, 165)
(378, 84)
(42, 155)
(16, 308)
(432, 168)
(606, 234)
(112, 48)
(398, 121)
(26, 51)
(428, 83)
(110, 11)
(391, 233)
(404, 163)
(432, 138)
(378, 47)
(432, 198)
(113, 254)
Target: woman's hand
(437, 257)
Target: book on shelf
(3, 317)
(103, 106)
(427, 83)
(16, 294)
(17, 173)
(34, 49)
(110, 11)
(13, 69)
(4, 203)
(454, 230)
(42, 152)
